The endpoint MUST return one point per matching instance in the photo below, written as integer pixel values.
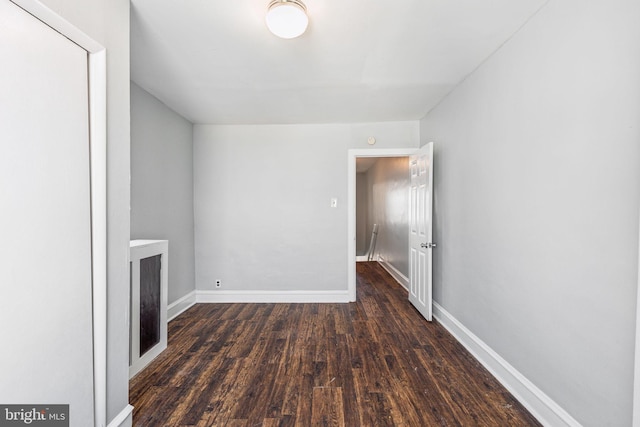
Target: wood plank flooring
(374, 362)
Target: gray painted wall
(262, 202)
(162, 185)
(388, 197)
(107, 22)
(362, 214)
(537, 193)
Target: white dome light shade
(287, 18)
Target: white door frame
(351, 204)
(636, 381)
(98, 165)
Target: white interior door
(45, 218)
(420, 230)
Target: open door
(420, 230)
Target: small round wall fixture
(287, 18)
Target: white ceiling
(214, 61)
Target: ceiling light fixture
(287, 18)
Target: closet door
(45, 218)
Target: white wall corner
(228, 296)
(398, 276)
(181, 305)
(124, 418)
(547, 411)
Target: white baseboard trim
(547, 411)
(179, 306)
(400, 278)
(227, 296)
(124, 418)
(362, 258)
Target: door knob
(427, 245)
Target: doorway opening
(357, 156)
(383, 187)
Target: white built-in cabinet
(149, 276)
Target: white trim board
(124, 418)
(181, 305)
(547, 411)
(228, 296)
(98, 135)
(393, 272)
(61, 25)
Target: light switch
(334, 202)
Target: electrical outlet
(218, 284)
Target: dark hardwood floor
(375, 362)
